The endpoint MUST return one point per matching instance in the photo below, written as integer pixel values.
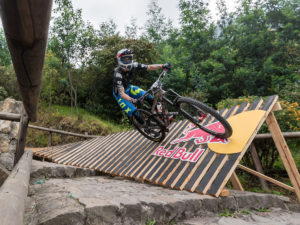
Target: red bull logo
(179, 153)
(201, 137)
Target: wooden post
(284, 153)
(21, 136)
(50, 139)
(258, 166)
(236, 182)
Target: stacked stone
(9, 133)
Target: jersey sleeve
(140, 66)
(118, 80)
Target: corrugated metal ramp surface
(129, 154)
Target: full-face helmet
(125, 58)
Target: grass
(65, 111)
(62, 118)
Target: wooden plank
(236, 182)
(53, 152)
(270, 102)
(203, 172)
(283, 185)
(148, 164)
(134, 152)
(71, 153)
(114, 151)
(199, 171)
(258, 166)
(51, 149)
(169, 165)
(284, 153)
(228, 168)
(100, 151)
(140, 162)
(180, 169)
(212, 173)
(96, 150)
(243, 107)
(218, 163)
(175, 167)
(155, 163)
(159, 167)
(120, 158)
(267, 107)
(138, 157)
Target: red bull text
(201, 137)
(179, 153)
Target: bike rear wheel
(197, 112)
(151, 128)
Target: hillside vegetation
(61, 118)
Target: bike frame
(160, 96)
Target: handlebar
(156, 84)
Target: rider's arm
(124, 95)
(154, 67)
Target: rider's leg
(138, 117)
(125, 105)
(136, 92)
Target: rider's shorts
(133, 92)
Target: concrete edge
(14, 191)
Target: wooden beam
(277, 107)
(258, 166)
(284, 153)
(21, 136)
(285, 134)
(283, 185)
(236, 182)
(10, 116)
(62, 132)
(224, 193)
(3, 174)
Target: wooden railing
(24, 120)
(51, 131)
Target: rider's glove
(166, 66)
(135, 101)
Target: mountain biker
(124, 92)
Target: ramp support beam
(284, 152)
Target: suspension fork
(164, 120)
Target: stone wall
(9, 132)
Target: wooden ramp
(185, 164)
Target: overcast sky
(98, 11)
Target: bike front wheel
(197, 113)
(151, 127)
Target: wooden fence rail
(51, 130)
(10, 116)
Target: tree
(131, 31)
(5, 58)
(71, 39)
(107, 29)
(157, 26)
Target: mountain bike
(157, 118)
